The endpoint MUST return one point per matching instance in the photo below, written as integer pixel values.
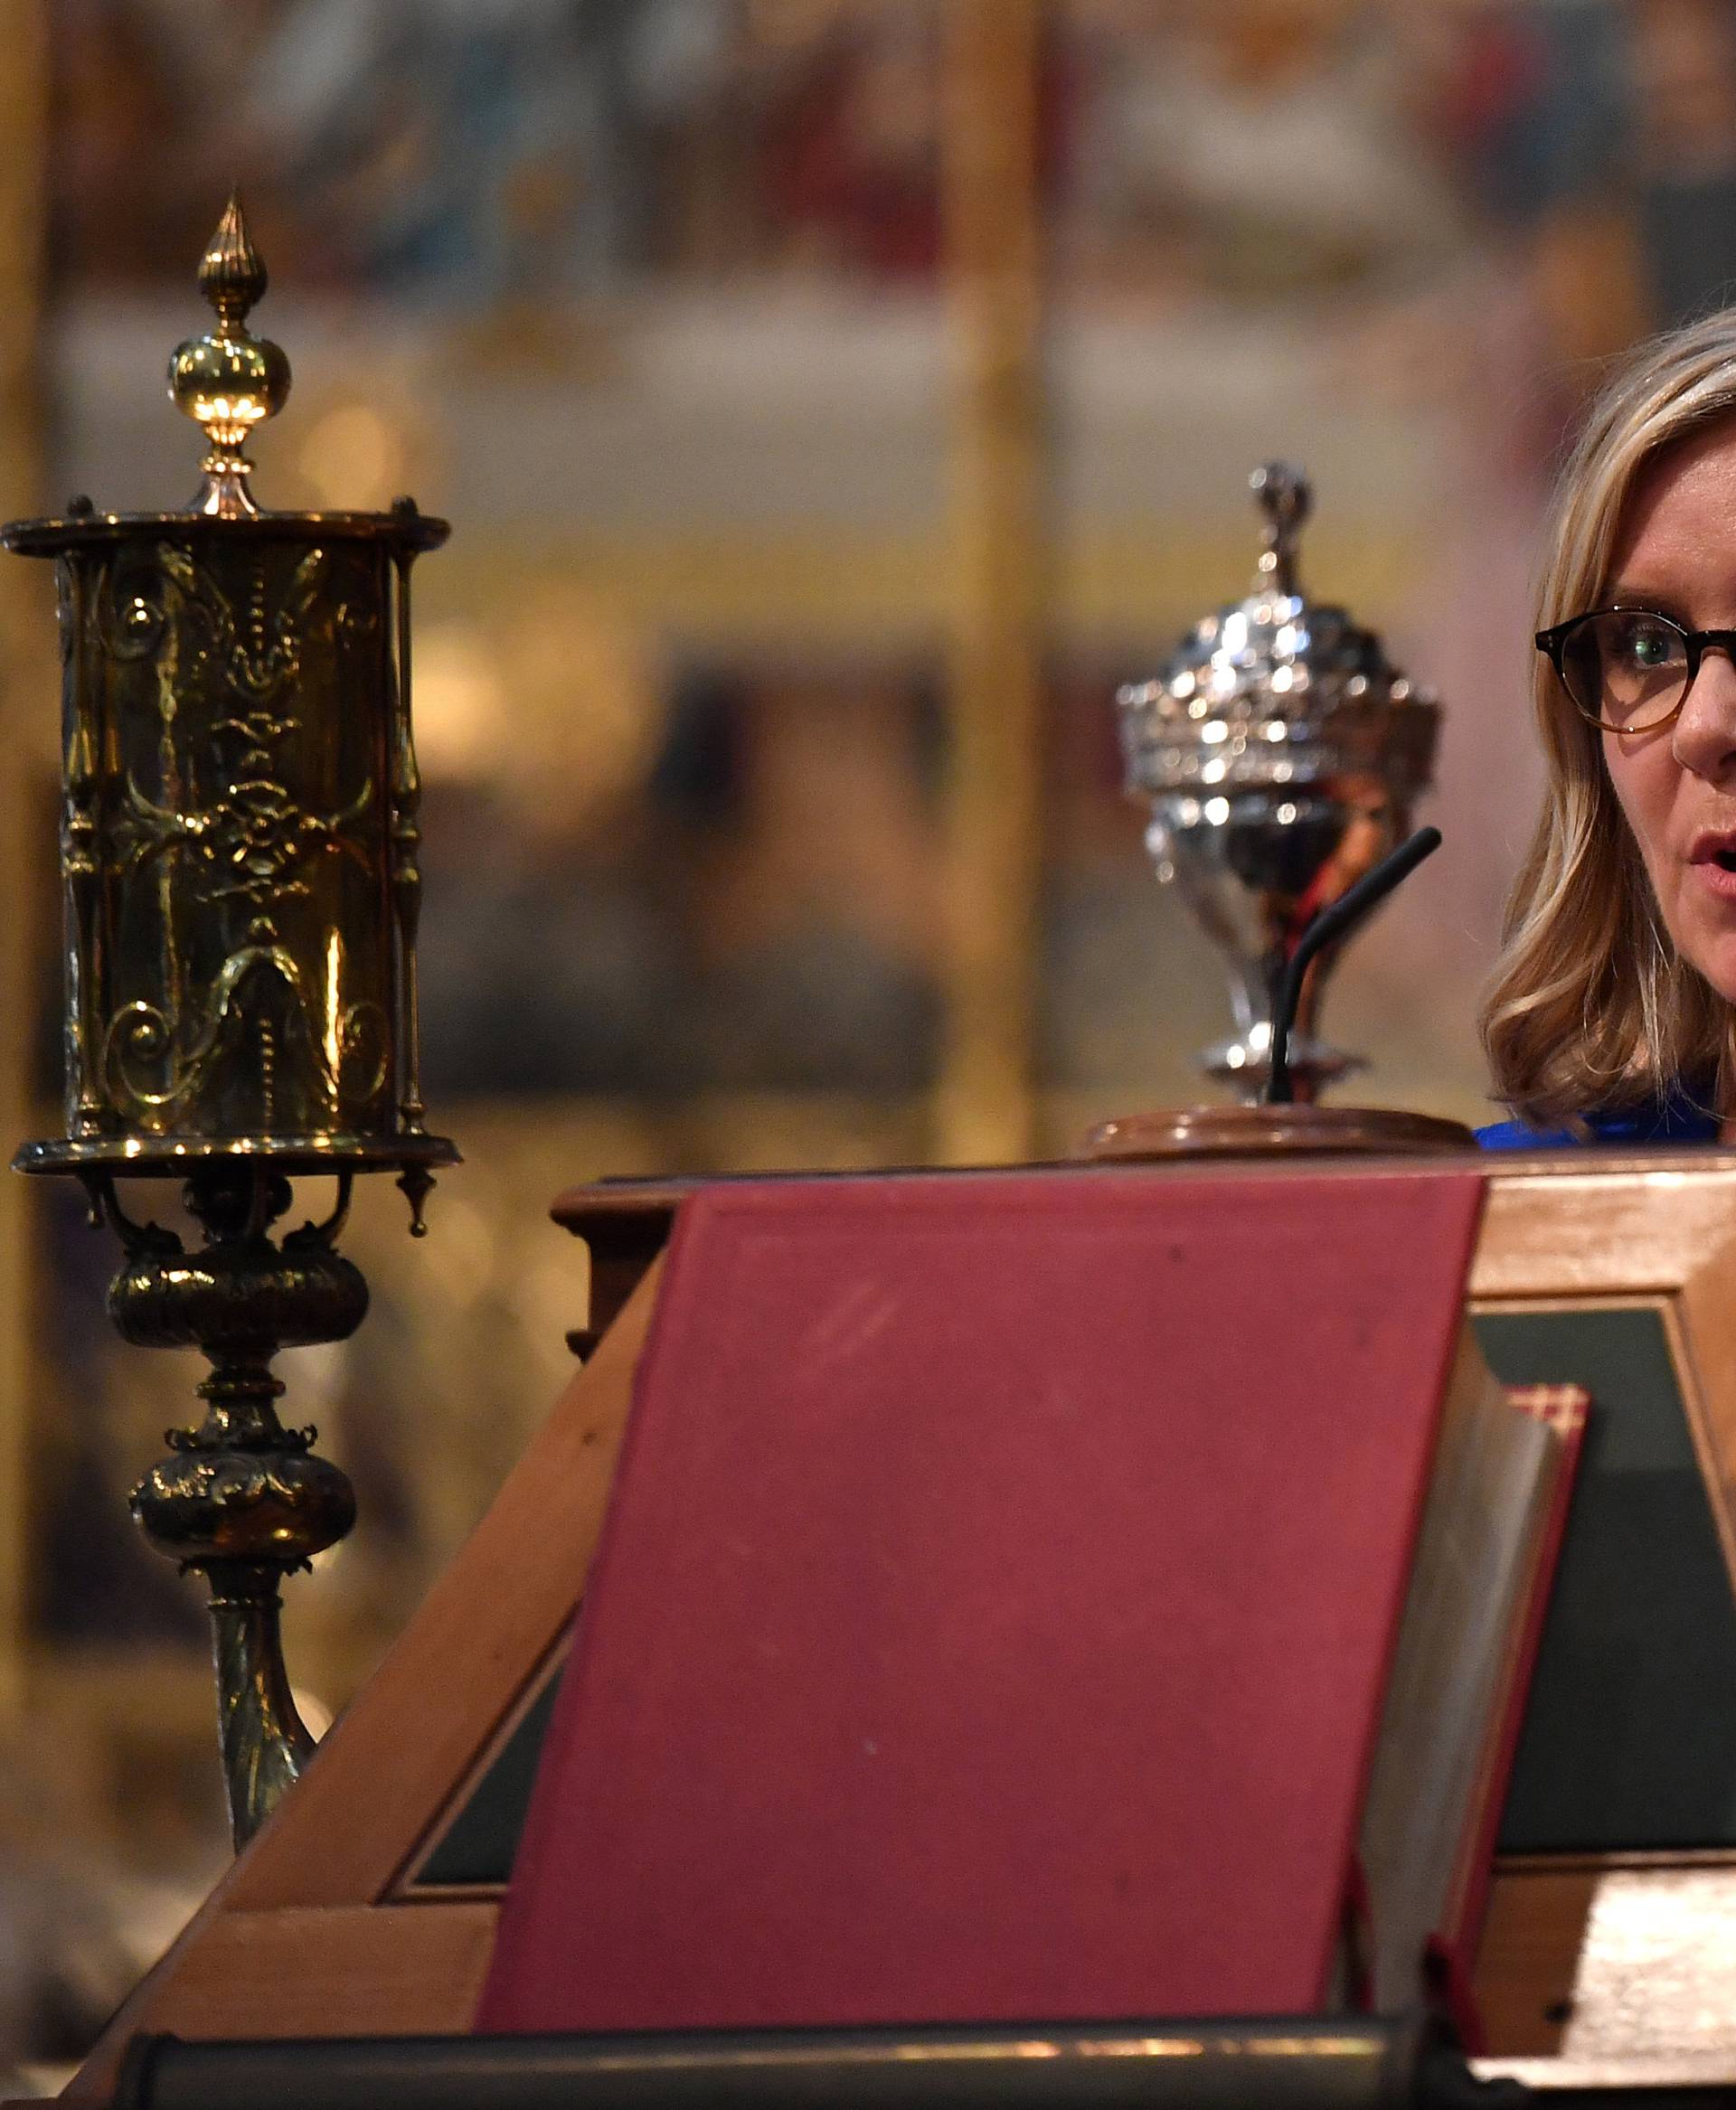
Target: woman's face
(1677, 553)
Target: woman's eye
(1649, 644)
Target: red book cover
(995, 1603)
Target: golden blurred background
(834, 400)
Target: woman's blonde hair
(1589, 1004)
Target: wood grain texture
(1705, 1328)
(413, 1732)
(1530, 1951)
(1625, 1227)
(331, 1971)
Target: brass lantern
(238, 851)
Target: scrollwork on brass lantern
(239, 846)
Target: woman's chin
(1712, 956)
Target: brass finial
(231, 276)
(229, 380)
(1285, 498)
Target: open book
(1000, 1604)
(1480, 1581)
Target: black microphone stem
(1331, 923)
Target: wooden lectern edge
(301, 1938)
(1569, 1220)
(485, 1627)
(633, 1209)
(302, 1935)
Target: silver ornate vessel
(1281, 751)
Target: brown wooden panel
(1532, 1936)
(354, 1970)
(334, 1970)
(624, 1225)
(416, 1728)
(1625, 1227)
(1704, 1343)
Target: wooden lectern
(368, 1905)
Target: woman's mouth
(1713, 859)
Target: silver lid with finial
(1274, 689)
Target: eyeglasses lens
(1627, 668)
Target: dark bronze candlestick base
(240, 1500)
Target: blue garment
(1675, 1119)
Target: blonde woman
(1611, 1016)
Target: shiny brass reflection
(240, 868)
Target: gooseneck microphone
(1332, 923)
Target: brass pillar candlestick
(238, 851)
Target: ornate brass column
(239, 854)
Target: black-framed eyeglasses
(1628, 670)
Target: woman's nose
(1704, 736)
